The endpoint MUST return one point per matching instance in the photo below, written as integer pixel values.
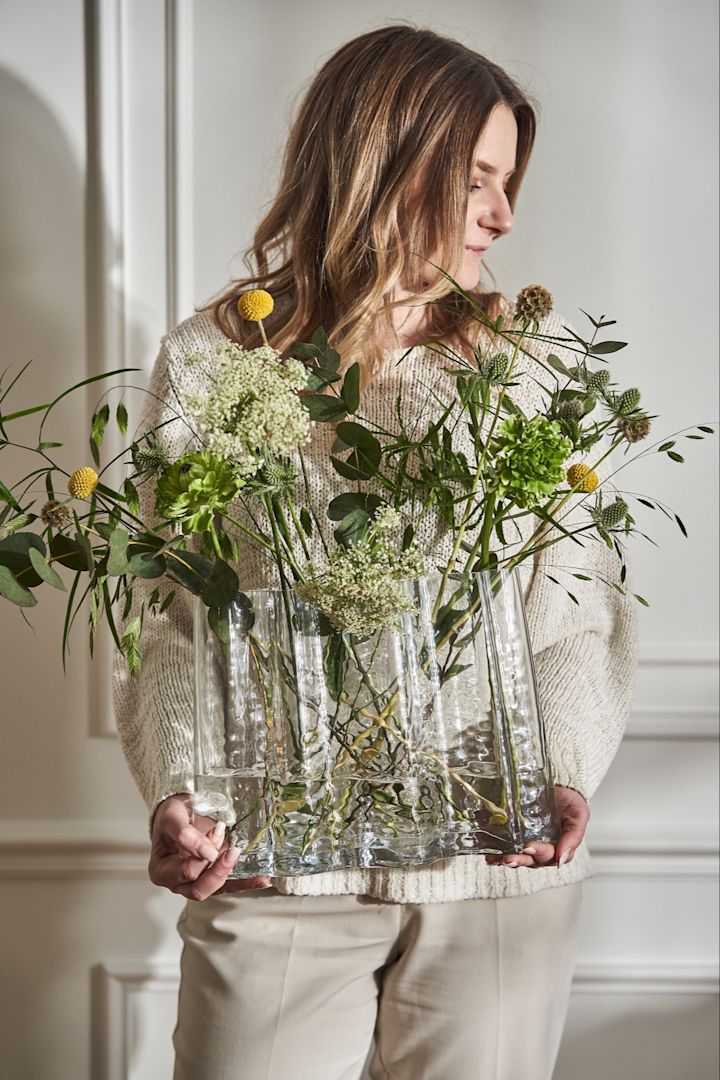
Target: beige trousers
(294, 987)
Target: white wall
(139, 141)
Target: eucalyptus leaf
(324, 408)
(221, 586)
(188, 569)
(319, 339)
(351, 388)
(11, 588)
(118, 557)
(146, 564)
(219, 621)
(45, 571)
(343, 504)
(15, 555)
(67, 552)
(351, 528)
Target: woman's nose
(496, 213)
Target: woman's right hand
(191, 859)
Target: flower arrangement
(480, 466)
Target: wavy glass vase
(324, 751)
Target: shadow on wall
(668, 1043)
(52, 293)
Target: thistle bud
(598, 381)
(629, 400)
(612, 515)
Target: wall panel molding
(57, 850)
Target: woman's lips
(478, 251)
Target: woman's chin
(468, 277)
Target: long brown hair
(350, 221)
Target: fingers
(574, 814)
(243, 884)
(533, 855)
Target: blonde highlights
(375, 182)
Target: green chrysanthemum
(528, 457)
(195, 487)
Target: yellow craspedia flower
(83, 482)
(582, 477)
(256, 304)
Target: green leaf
(351, 528)
(303, 350)
(641, 599)
(121, 417)
(7, 496)
(221, 586)
(323, 408)
(146, 565)
(306, 521)
(675, 456)
(351, 388)
(666, 446)
(320, 378)
(11, 588)
(14, 554)
(219, 621)
(188, 569)
(118, 556)
(44, 571)
(604, 347)
(167, 601)
(145, 558)
(319, 339)
(48, 445)
(705, 428)
(683, 530)
(556, 363)
(131, 496)
(67, 552)
(83, 542)
(94, 453)
(364, 460)
(343, 504)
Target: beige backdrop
(139, 140)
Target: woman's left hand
(574, 814)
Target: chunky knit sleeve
(154, 709)
(585, 653)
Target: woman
(408, 150)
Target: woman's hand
(192, 860)
(574, 814)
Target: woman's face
(488, 211)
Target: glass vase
(324, 750)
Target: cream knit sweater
(585, 654)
